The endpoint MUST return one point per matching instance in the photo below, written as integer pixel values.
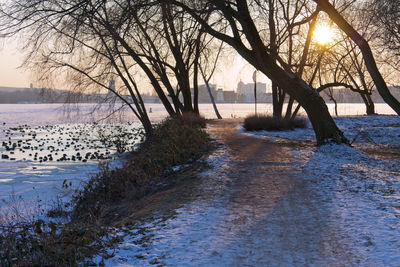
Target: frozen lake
(41, 114)
(34, 175)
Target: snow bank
(363, 188)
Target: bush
(174, 142)
(75, 240)
(191, 119)
(268, 123)
(52, 244)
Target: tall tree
(64, 39)
(207, 67)
(385, 14)
(246, 39)
(290, 27)
(93, 41)
(368, 57)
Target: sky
(10, 60)
(226, 77)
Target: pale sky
(226, 77)
(10, 60)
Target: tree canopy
(89, 42)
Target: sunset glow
(323, 35)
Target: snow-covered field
(362, 182)
(45, 146)
(357, 190)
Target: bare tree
(365, 49)
(352, 70)
(385, 15)
(90, 42)
(290, 23)
(207, 68)
(245, 38)
(65, 39)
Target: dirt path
(286, 220)
(254, 208)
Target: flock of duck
(67, 142)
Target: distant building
(245, 92)
(220, 96)
(230, 96)
(204, 96)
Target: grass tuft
(41, 243)
(268, 123)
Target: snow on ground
(360, 201)
(40, 148)
(375, 129)
(364, 194)
(28, 190)
(363, 183)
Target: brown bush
(39, 243)
(191, 119)
(268, 123)
(71, 243)
(174, 142)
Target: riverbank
(271, 200)
(70, 234)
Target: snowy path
(274, 204)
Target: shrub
(268, 123)
(73, 241)
(42, 243)
(174, 142)
(190, 119)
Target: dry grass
(81, 234)
(176, 141)
(51, 244)
(268, 123)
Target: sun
(323, 35)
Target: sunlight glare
(323, 34)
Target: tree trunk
(324, 126)
(369, 104)
(187, 96)
(211, 96)
(289, 108)
(366, 52)
(195, 79)
(277, 108)
(277, 101)
(213, 103)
